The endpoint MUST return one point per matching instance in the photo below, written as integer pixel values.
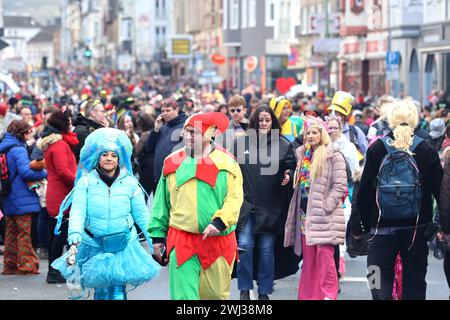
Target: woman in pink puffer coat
(316, 218)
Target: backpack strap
(417, 140)
(390, 149)
(353, 133)
(17, 171)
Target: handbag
(112, 243)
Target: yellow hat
(342, 102)
(277, 105)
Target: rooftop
(20, 22)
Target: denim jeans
(266, 263)
(382, 253)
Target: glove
(74, 238)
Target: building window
(377, 77)
(252, 13)
(234, 15)
(357, 6)
(244, 13)
(163, 9)
(129, 30)
(448, 10)
(304, 23)
(284, 19)
(270, 13)
(225, 14)
(157, 8)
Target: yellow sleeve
(229, 213)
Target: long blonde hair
(403, 119)
(320, 153)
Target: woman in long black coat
(267, 161)
(145, 159)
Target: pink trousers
(318, 279)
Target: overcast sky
(41, 10)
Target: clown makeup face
(109, 161)
(195, 140)
(312, 136)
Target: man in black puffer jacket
(165, 136)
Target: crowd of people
(276, 183)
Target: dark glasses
(235, 110)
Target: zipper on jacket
(109, 210)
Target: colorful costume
(102, 220)
(289, 128)
(192, 194)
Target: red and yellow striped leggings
(20, 257)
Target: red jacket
(61, 168)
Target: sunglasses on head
(235, 110)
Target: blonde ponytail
(403, 137)
(403, 119)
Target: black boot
(263, 297)
(245, 295)
(54, 276)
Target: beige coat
(325, 221)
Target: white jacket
(349, 151)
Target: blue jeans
(266, 264)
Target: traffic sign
(392, 65)
(180, 47)
(393, 58)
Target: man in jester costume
(195, 210)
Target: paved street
(354, 285)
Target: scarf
(304, 179)
(107, 179)
(71, 138)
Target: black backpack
(353, 135)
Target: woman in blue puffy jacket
(106, 203)
(20, 203)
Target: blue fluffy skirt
(131, 266)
